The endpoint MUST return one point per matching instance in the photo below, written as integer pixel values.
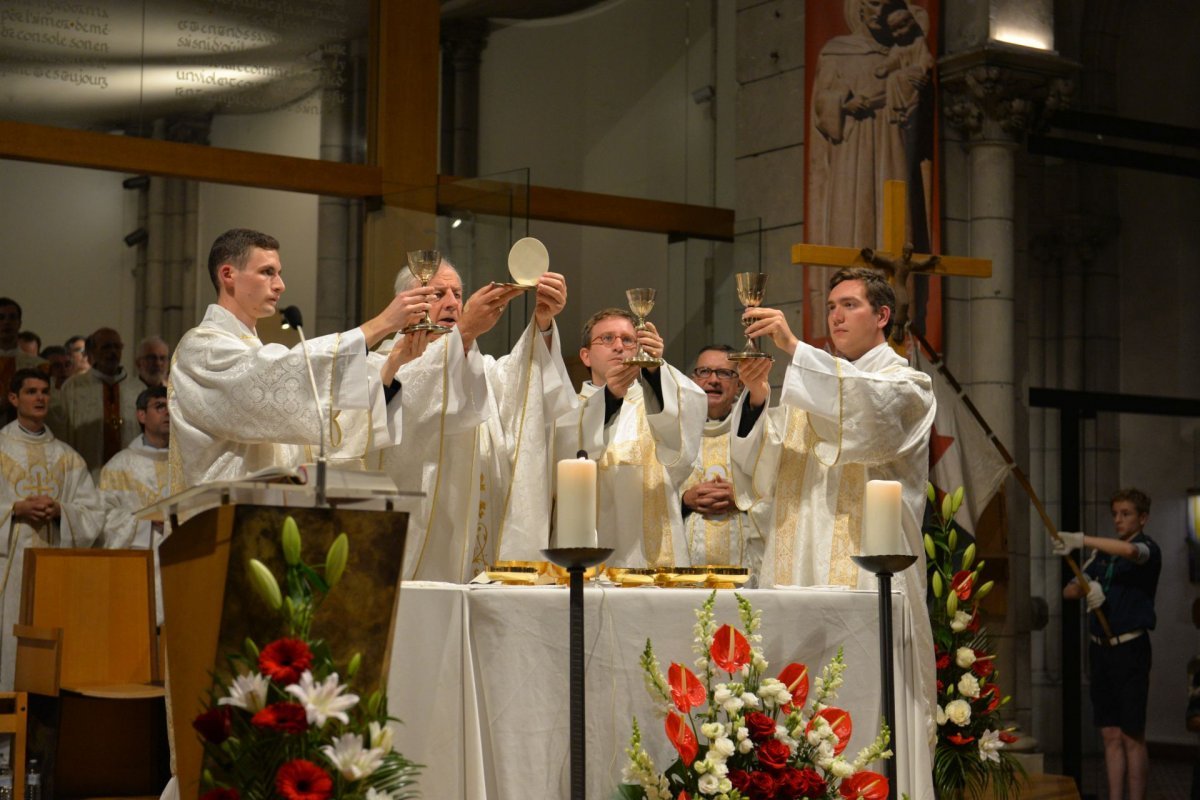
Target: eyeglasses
(704, 373)
(609, 339)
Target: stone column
(991, 96)
(463, 41)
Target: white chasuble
(736, 538)
(476, 435)
(96, 415)
(33, 465)
(841, 425)
(238, 406)
(133, 479)
(641, 456)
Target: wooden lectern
(210, 606)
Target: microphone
(292, 318)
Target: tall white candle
(881, 520)
(576, 514)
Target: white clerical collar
(146, 443)
(109, 379)
(28, 432)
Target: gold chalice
(423, 264)
(641, 301)
(750, 290)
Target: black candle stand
(883, 568)
(576, 560)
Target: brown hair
(1140, 500)
(602, 314)
(233, 247)
(879, 292)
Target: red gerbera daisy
(284, 660)
(303, 780)
(282, 717)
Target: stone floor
(1169, 779)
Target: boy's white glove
(1066, 543)
(1095, 596)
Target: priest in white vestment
(137, 477)
(642, 427)
(862, 415)
(726, 521)
(47, 499)
(237, 405)
(477, 431)
(12, 357)
(95, 412)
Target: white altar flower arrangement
(741, 735)
(970, 760)
(287, 722)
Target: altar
(479, 678)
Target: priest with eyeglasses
(726, 518)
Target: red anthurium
(959, 739)
(983, 665)
(963, 583)
(839, 720)
(730, 649)
(682, 737)
(795, 677)
(864, 785)
(686, 689)
(1007, 737)
(684, 795)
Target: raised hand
(771, 322)
(754, 374)
(651, 342)
(482, 311)
(551, 299)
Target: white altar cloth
(479, 676)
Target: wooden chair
(87, 637)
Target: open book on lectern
(286, 487)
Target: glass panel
(260, 75)
(617, 99)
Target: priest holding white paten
(237, 405)
(477, 429)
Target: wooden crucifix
(895, 257)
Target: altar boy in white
(477, 429)
(47, 499)
(238, 406)
(642, 427)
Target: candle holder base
(579, 557)
(884, 564)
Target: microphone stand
(292, 319)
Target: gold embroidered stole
(657, 544)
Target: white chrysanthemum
(381, 737)
(247, 692)
(351, 759)
(960, 622)
(989, 746)
(723, 747)
(941, 716)
(750, 699)
(727, 700)
(324, 700)
(968, 686)
(708, 784)
(712, 730)
(964, 657)
(958, 712)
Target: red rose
(943, 661)
(773, 754)
(806, 782)
(762, 786)
(220, 794)
(760, 726)
(962, 584)
(303, 780)
(740, 780)
(282, 717)
(284, 660)
(864, 785)
(215, 725)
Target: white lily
(381, 737)
(989, 746)
(351, 759)
(324, 700)
(247, 692)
